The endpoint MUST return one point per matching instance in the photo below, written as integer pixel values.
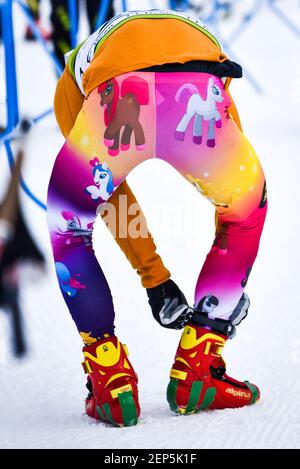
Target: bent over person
(154, 84)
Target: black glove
(169, 306)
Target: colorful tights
(183, 119)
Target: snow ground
(41, 398)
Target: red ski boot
(112, 383)
(198, 376)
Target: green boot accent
(208, 398)
(100, 413)
(108, 416)
(129, 412)
(194, 397)
(171, 394)
(254, 392)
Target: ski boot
(198, 376)
(112, 383)
(169, 305)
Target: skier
(155, 83)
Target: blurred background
(42, 386)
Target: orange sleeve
(68, 101)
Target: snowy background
(41, 397)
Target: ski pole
(10, 66)
(73, 16)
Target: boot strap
(220, 326)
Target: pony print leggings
(183, 119)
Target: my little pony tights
(183, 119)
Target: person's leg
(225, 169)
(73, 202)
(84, 178)
(71, 216)
(225, 272)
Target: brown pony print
(122, 112)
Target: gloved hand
(169, 305)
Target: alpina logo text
(241, 394)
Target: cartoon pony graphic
(73, 234)
(201, 110)
(208, 304)
(68, 284)
(103, 180)
(75, 229)
(122, 111)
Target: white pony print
(201, 109)
(103, 187)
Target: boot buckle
(115, 392)
(177, 374)
(86, 367)
(213, 348)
